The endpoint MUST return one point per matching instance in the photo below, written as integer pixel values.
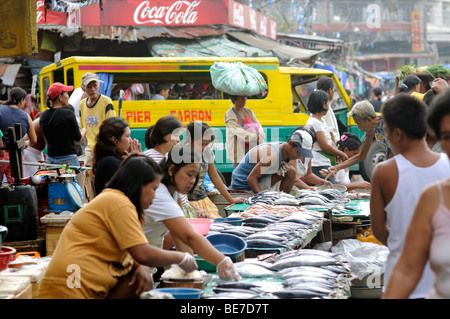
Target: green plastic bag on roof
(236, 78)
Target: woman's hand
(237, 200)
(201, 213)
(143, 277)
(330, 173)
(439, 85)
(363, 185)
(135, 147)
(341, 157)
(226, 270)
(327, 183)
(188, 263)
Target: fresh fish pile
(225, 228)
(277, 210)
(303, 273)
(326, 199)
(309, 273)
(272, 198)
(270, 231)
(317, 198)
(238, 290)
(253, 269)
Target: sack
(237, 79)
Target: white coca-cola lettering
(263, 26)
(253, 19)
(273, 29)
(238, 14)
(180, 12)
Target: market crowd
(138, 200)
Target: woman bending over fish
(179, 176)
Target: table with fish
(303, 273)
(277, 227)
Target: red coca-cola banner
(167, 13)
(157, 13)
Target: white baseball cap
(304, 142)
(88, 78)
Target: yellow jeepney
(193, 98)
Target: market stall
(278, 262)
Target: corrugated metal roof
(134, 34)
(204, 47)
(287, 53)
(308, 37)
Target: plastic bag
(237, 79)
(209, 186)
(365, 258)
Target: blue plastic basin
(229, 245)
(182, 293)
(235, 221)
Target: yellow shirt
(91, 254)
(418, 95)
(91, 117)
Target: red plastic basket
(6, 255)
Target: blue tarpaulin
(329, 67)
(106, 85)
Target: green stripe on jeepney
(273, 134)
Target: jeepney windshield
(303, 86)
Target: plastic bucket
(201, 225)
(3, 232)
(6, 254)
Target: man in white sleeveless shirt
(398, 182)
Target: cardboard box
(52, 235)
(55, 224)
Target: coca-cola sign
(168, 13)
(180, 12)
(156, 13)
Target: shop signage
(416, 25)
(156, 13)
(247, 18)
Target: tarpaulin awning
(208, 46)
(284, 52)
